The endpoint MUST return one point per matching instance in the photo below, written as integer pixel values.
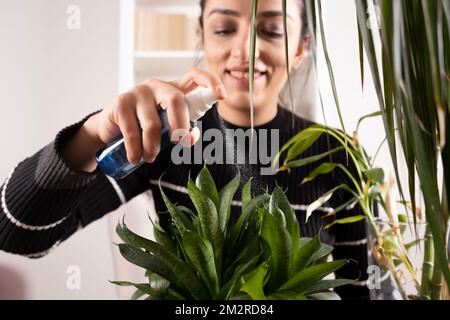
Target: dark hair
(303, 14)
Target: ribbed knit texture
(45, 201)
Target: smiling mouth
(242, 75)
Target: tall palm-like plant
(413, 88)
(413, 99)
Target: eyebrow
(264, 14)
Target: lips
(244, 74)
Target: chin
(242, 100)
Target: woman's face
(226, 40)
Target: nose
(241, 45)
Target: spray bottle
(112, 159)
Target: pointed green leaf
(201, 255)
(209, 221)
(304, 279)
(326, 295)
(323, 285)
(280, 244)
(347, 220)
(226, 197)
(205, 183)
(247, 193)
(254, 286)
(305, 161)
(305, 139)
(177, 267)
(178, 217)
(305, 254)
(321, 201)
(324, 168)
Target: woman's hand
(139, 107)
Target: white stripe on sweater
(117, 188)
(366, 282)
(351, 243)
(18, 223)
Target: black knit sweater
(44, 201)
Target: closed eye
(223, 32)
(272, 34)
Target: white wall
(342, 40)
(51, 77)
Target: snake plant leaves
(304, 279)
(229, 289)
(305, 254)
(238, 227)
(180, 219)
(164, 239)
(287, 295)
(250, 247)
(205, 183)
(325, 295)
(279, 198)
(159, 285)
(179, 269)
(154, 264)
(325, 285)
(198, 259)
(209, 220)
(277, 213)
(280, 244)
(137, 294)
(201, 255)
(142, 288)
(321, 255)
(225, 199)
(246, 193)
(254, 283)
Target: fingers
(150, 124)
(127, 121)
(173, 100)
(137, 109)
(198, 77)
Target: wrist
(90, 131)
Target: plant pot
(396, 260)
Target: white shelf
(187, 7)
(167, 2)
(165, 63)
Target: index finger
(200, 78)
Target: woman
(58, 190)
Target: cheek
(215, 57)
(273, 57)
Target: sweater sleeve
(44, 201)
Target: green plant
(413, 89)
(413, 99)
(368, 189)
(261, 256)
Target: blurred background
(60, 60)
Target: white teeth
(243, 75)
